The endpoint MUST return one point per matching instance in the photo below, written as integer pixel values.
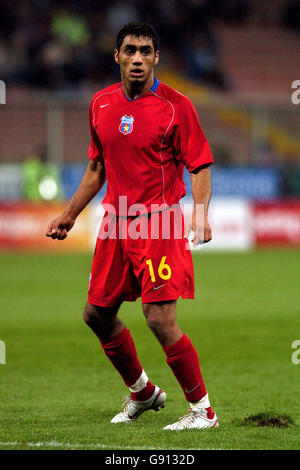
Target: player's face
(136, 58)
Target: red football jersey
(145, 144)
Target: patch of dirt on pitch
(269, 419)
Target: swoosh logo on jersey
(103, 105)
(159, 287)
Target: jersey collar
(153, 89)
(155, 85)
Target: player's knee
(159, 317)
(90, 316)
(157, 322)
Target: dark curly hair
(138, 29)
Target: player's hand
(59, 227)
(200, 228)
(203, 233)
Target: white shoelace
(126, 403)
(192, 416)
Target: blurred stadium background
(236, 59)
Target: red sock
(183, 359)
(143, 394)
(122, 353)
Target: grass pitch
(59, 391)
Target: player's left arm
(201, 192)
(191, 147)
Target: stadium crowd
(58, 44)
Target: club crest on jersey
(126, 126)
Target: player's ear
(116, 54)
(156, 58)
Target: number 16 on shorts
(164, 271)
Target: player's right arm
(91, 183)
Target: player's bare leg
(103, 321)
(119, 347)
(161, 319)
(183, 360)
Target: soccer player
(143, 133)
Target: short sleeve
(189, 141)
(95, 152)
